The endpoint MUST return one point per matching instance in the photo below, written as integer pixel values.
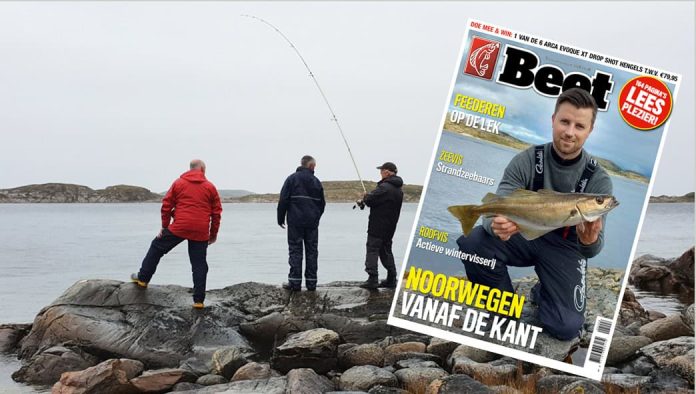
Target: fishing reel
(359, 203)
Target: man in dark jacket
(385, 208)
(302, 201)
(196, 203)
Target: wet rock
(48, 366)
(254, 370)
(367, 354)
(670, 327)
(211, 379)
(186, 386)
(472, 353)
(441, 348)
(415, 363)
(228, 360)
(314, 349)
(483, 371)
(417, 379)
(10, 335)
(626, 381)
(161, 379)
(362, 378)
(110, 376)
(455, 384)
(581, 387)
(306, 381)
(626, 347)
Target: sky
(105, 93)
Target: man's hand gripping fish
(537, 213)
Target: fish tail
(466, 215)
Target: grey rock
(228, 360)
(626, 381)
(367, 354)
(414, 379)
(364, 377)
(472, 353)
(109, 377)
(274, 385)
(688, 316)
(555, 383)
(48, 366)
(642, 366)
(655, 315)
(667, 328)
(683, 366)
(415, 363)
(441, 348)
(254, 370)
(662, 352)
(394, 358)
(11, 334)
(263, 329)
(314, 349)
(306, 381)
(186, 386)
(195, 366)
(456, 384)
(211, 379)
(404, 338)
(581, 387)
(624, 348)
(387, 390)
(159, 380)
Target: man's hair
(579, 98)
(196, 163)
(307, 160)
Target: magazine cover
(538, 184)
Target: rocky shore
(69, 193)
(105, 336)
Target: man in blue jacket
(302, 201)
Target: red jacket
(194, 203)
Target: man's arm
(322, 203)
(377, 196)
(215, 215)
(168, 205)
(283, 202)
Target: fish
(479, 58)
(537, 213)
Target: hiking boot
(388, 284)
(137, 281)
(288, 286)
(198, 305)
(370, 283)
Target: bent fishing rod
(316, 82)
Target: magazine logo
(579, 292)
(482, 57)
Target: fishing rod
(316, 82)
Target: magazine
(536, 191)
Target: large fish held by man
(537, 213)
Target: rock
(641, 366)
(554, 383)
(682, 268)
(626, 381)
(412, 355)
(306, 381)
(582, 387)
(504, 390)
(367, 354)
(455, 384)
(387, 390)
(363, 377)
(497, 374)
(110, 376)
(415, 363)
(416, 347)
(263, 329)
(688, 316)
(472, 353)
(48, 366)
(186, 386)
(228, 360)
(409, 337)
(665, 276)
(11, 334)
(273, 385)
(441, 348)
(683, 366)
(631, 311)
(655, 315)
(418, 379)
(254, 370)
(624, 348)
(314, 349)
(195, 366)
(667, 328)
(161, 379)
(211, 379)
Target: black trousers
(379, 248)
(297, 237)
(557, 262)
(197, 251)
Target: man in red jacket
(194, 204)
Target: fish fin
(489, 197)
(532, 233)
(465, 215)
(547, 191)
(522, 193)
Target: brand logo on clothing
(539, 167)
(482, 57)
(579, 293)
(583, 184)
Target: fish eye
(600, 200)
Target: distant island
(515, 143)
(335, 191)
(688, 197)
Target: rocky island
(105, 336)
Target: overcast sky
(108, 93)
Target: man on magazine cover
(559, 257)
(302, 201)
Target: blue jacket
(301, 199)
